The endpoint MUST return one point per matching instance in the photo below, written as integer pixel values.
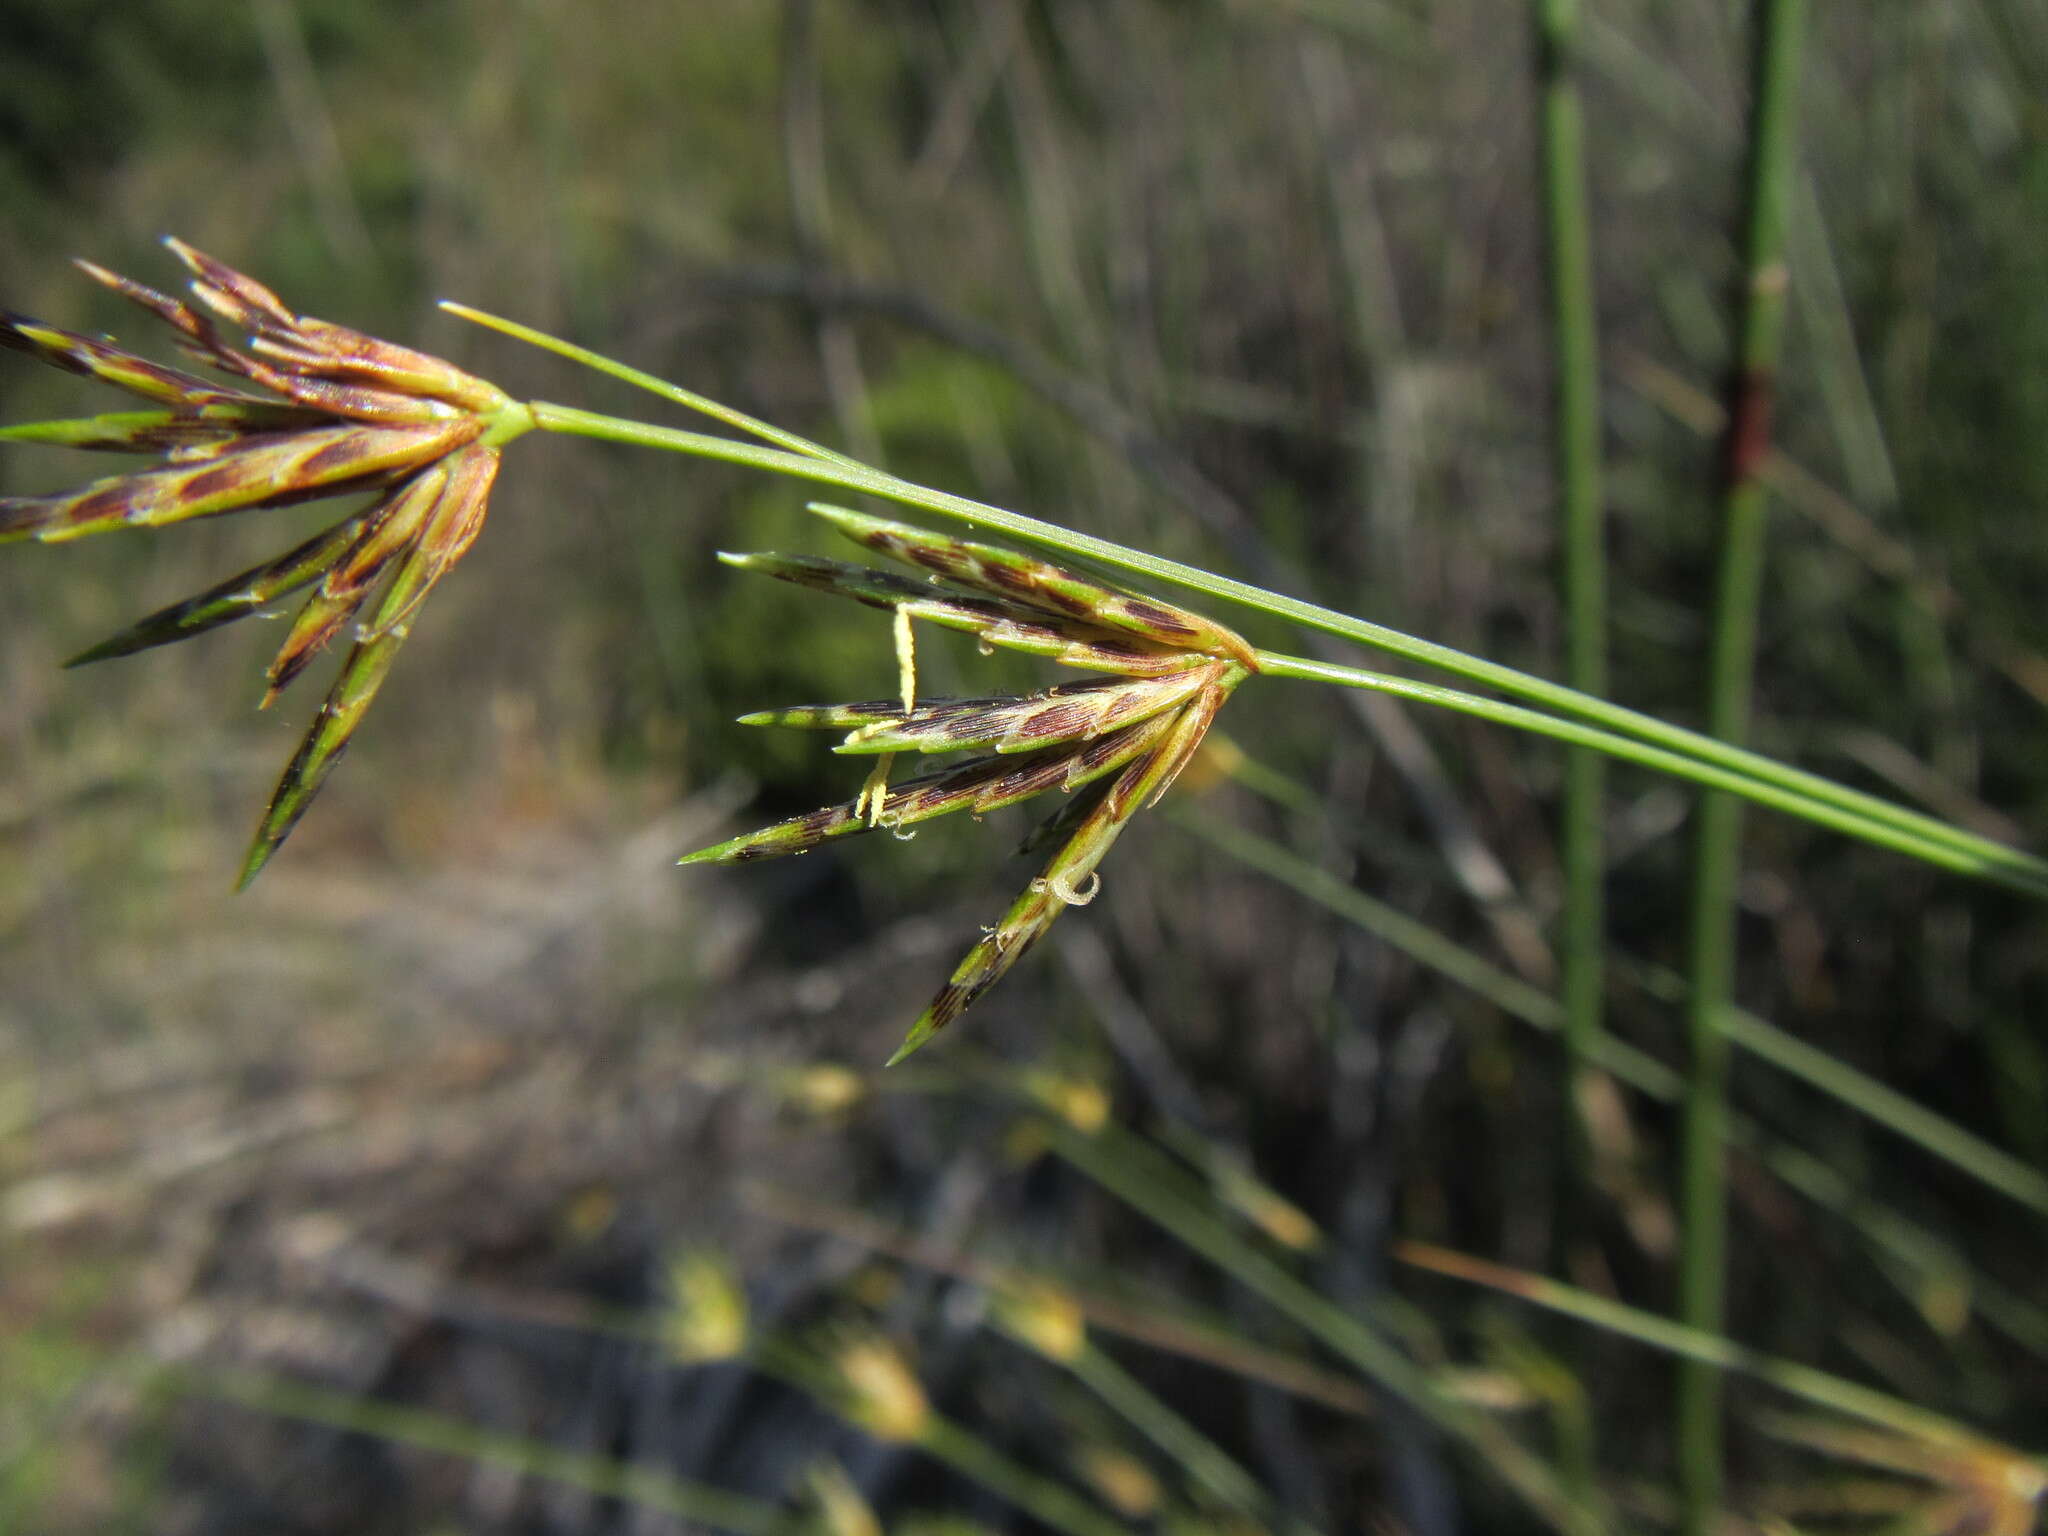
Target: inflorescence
(346, 413)
(1115, 743)
(334, 412)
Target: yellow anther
(906, 658)
(874, 792)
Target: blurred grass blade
(1932, 1261)
(866, 1381)
(647, 1486)
(1802, 1381)
(1147, 1181)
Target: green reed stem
(675, 394)
(1576, 355)
(1952, 850)
(1717, 855)
(1801, 793)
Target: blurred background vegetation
(399, 1158)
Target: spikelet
(1044, 1316)
(1059, 594)
(707, 1318)
(341, 413)
(1114, 744)
(871, 1384)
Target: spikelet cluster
(872, 1385)
(332, 412)
(1114, 744)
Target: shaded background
(1255, 284)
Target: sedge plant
(342, 413)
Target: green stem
(1801, 793)
(1953, 850)
(1717, 855)
(1568, 237)
(675, 394)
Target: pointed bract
(179, 436)
(322, 349)
(114, 365)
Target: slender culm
(1567, 221)
(1777, 26)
